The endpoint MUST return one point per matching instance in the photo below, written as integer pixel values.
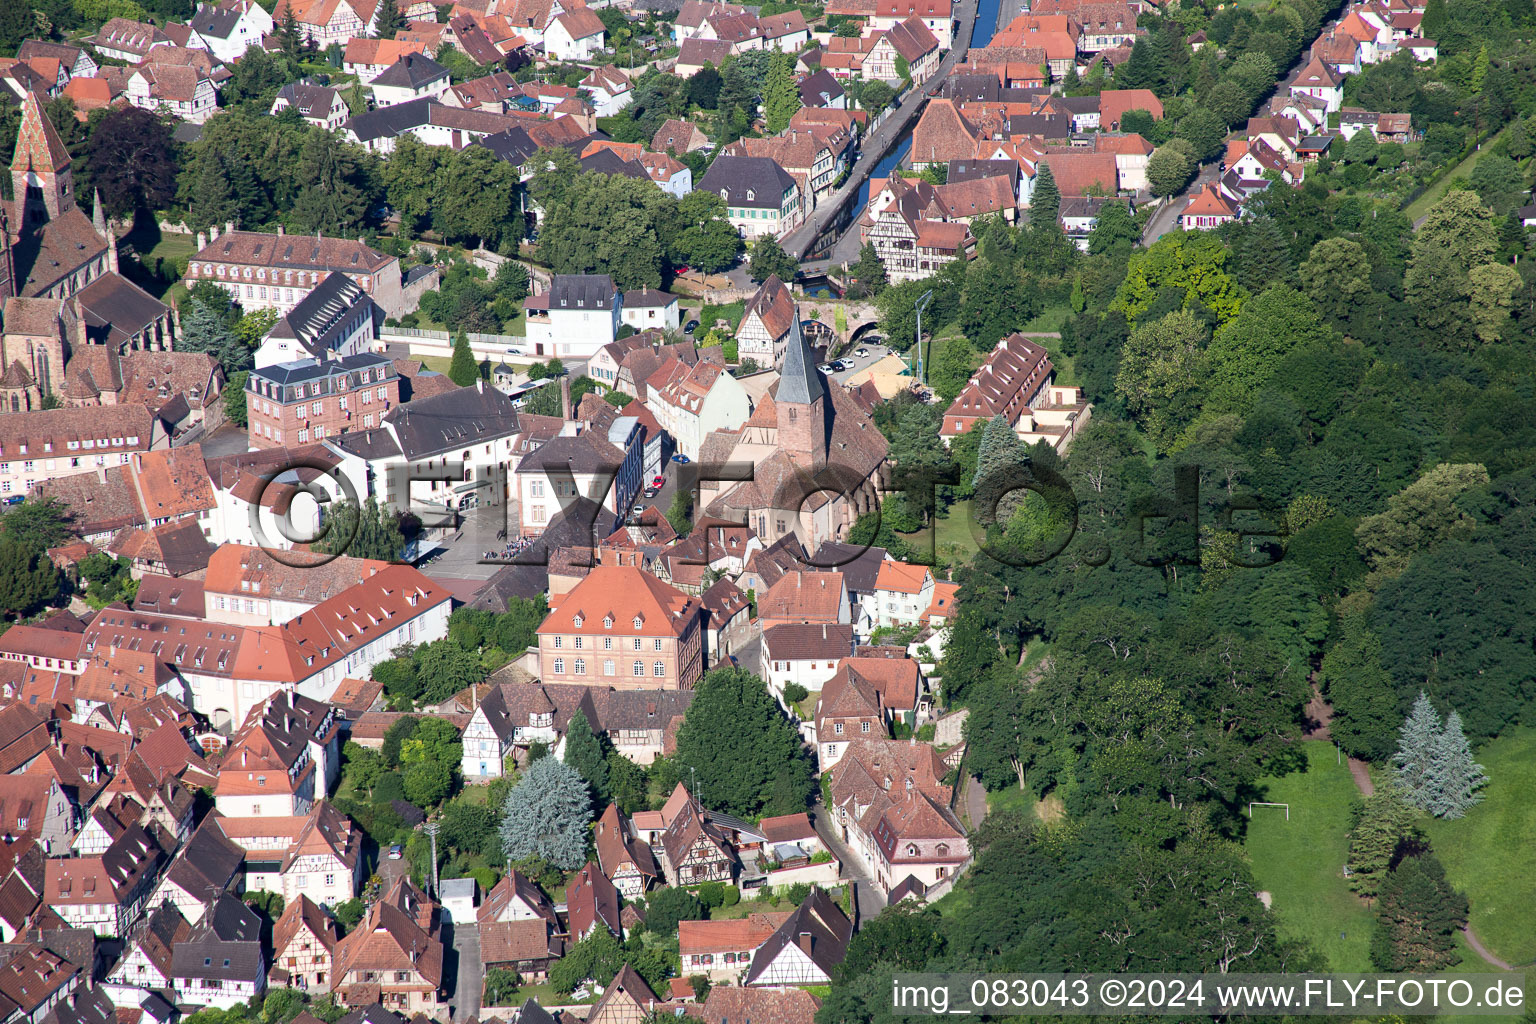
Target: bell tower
(41, 179)
(800, 404)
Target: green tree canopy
(742, 748)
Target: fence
(826, 873)
(495, 347)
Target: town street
(878, 142)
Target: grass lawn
(1491, 853)
(1012, 798)
(730, 313)
(546, 996)
(1049, 319)
(1300, 861)
(746, 907)
(163, 256)
(474, 795)
(1420, 206)
(954, 541)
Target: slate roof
(427, 427)
(412, 71)
(115, 309)
(818, 922)
(747, 181)
(581, 291)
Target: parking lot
(873, 354)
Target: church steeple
(800, 403)
(42, 182)
(98, 218)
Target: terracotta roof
(787, 828)
(1209, 202)
(303, 914)
(1011, 376)
(617, 849)
(743, 933)
(773, 306)
(105, 878)
(300, 577)
(738, 1004)
(591, 898)
(261, 249)
(581, 23)
(519, 888)
(503, 942)
(1315, 75)
(1113, 103)
(621, 594)
(803, 597)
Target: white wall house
(574, 35)
(804, 653)
(577, 316)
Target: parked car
(690, 326)
(841, 365)
(651, 492)
(656, 483)
(396, 852)
(861, 352)
(825, 368)
(637, 511)
(681, 459)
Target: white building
(577, 316)
(220, 962)
(647, 309)
(335, 320)
(576, 466)
(804, 653)
(610, 89)
(689, 402)
(414, 76)
(228, 28)
(575, 35)
(452, 449)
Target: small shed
(458, 898)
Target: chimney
(213, 232)
(804, 942)
(279, 230)
(565, 397)
(202, 240)
(229, 225)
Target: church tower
(7, 269)
(41, 179)
(800, 404)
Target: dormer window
(608, 622)
(751, 194)
(638, 621)
(577, 621)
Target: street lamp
(920, 305)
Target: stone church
(70, 324)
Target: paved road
(868, 896)
(878, 142)
(465, 1001)
(1166, 219)
(228, 439)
